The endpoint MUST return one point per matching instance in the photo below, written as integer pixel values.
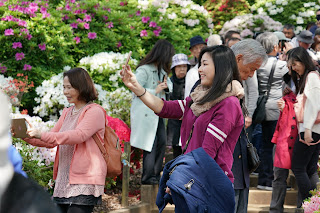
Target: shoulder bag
(259, 114)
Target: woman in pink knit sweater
(79, 168)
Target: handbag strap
(271, 77)
(187, 143)
(98, 141)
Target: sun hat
(179, 59)
(196, 40)
(305, 36)
(281, 36)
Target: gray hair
(251, 50)
(213, 40)
(268, 40)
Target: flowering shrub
(295, 12)
(225, 10)
(37, 161)
(105, 68)
(248, 24)
(312, 204)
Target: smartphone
(19, 127)
(128, 59)
(283, 44)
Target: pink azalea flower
(121, 3)
(145, 19)
(42, 47)
(87, 18)
(77, 39)
(27, 67)
(152, 24)
(8, 32)
(22, 23)
(157, 32)
(43, 10)
(16, 45)
(65, 17)
(105, 18)
(74, 25)
(119, 44)
(138, 13)
(79, 20)
(86, 26)
(110, 24)
(109, 10)
(19, 56)
(29, 37)
(45, 15)
(3, 68)
(92, 35)
(67, 7)
(143, 33)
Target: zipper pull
(189, 184)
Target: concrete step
(263, 197)
(291, 181)
(169, 209)
(261, 208)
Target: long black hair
(300, 54)
(226, 70)
(160, 55)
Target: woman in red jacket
(79, 168)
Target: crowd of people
(209, 101)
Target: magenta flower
(29, 36)
(87, 18)
(77, 39)
(105, 18)
(19, 56)
(138, 13)
(86, 26)
(145, 19)
(156, 32)
(74, 25)
(42, 47)
(8, 32)
(109, 10)
(3, 69)
(27, 67)
(119, 44)
(143, 33)
(110, 24)
(121, 3)
(92, 35)
(22, 23)
(66, 17)
(16, 45)
(152, 24)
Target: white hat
(179, 59)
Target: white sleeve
(191, 78)
(312, 105)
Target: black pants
(304, 165)
(73, 208)
(266, 166)
(153, 161)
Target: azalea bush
(248, 24)
(312, 204)
(296, 12)
(225, 10)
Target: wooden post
(126, 175)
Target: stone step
(263, 197)
(261, 208)
(291, 181)
(169, 209)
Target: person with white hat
(180, 66)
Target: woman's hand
(248, 122)
(33, 132)
(168, 190)
(280, 104)
(129, 79)
(308, 138)
(162, 85)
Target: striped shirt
(216, 130)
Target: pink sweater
(87, 164)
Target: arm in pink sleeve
(92, 122)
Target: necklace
(78, 110)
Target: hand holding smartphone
(128, 59)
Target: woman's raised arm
(151, 101)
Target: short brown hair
(81, 81)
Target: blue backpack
(197, 184)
